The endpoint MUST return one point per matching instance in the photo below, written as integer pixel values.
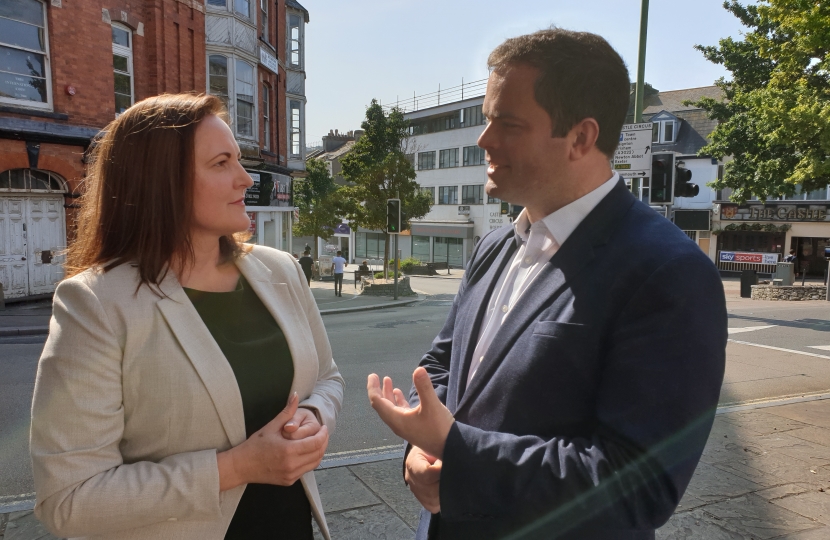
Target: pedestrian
(338, 265)
(187, 388)
(307, 263)
(572, 388)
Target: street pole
(641, 79)
(395, 270)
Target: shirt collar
(564, 221)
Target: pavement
(765, 474)
(32, 318)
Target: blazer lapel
(482, 282)
(282, 304)
(205, 355)
(563, 267)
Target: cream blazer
(134, 398)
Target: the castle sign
(774, 212)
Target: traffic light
(404, 220)
(393, 216)
(661, 184)
(682, 185)
(505, 208)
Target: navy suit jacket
(589, 414)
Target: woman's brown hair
(137, 205)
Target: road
(391, 341)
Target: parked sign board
(745, 257)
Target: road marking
(821, 347)
(775, 402)
(805, 353)
(17, 503)
(749, 329)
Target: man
(307, 263)
(572, 388)
(338, 264)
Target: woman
(173, 348)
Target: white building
(450, 165)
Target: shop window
(370, 245)
(420, 248)
(122, 64)
(24, 54)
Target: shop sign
(268, 60)
(272, 190)
(775, 212)
(463, 210)
(497, 220)
(746, 257)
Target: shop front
(270, 207)
(443, 242)
(772, 229)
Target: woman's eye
(220, 164)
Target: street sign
(633, 156)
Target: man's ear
(583, 138)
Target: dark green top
(258, 353)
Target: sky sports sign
(742, 257)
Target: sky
(357, 50)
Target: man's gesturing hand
(425, 426)
(423, 475)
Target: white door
(14, 270)
(45, 231)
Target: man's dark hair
(340, 253)
(582, 76)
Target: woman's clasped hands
(289, 446)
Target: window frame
(474, 149)
(289, 52)
(451, 193)
(432, 160)
(232, 59)
(659, 130)
(47, 68)
(477, 196)
(445, 158)
(266, 117)
(292, 130)
(264, 26)
(128, 52)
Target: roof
(334, 154)
(299, 7)
(672, 101)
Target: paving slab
(385, 479)
(697, 525)
(712, 484)
(813, 413)
(759, 518)
(24, 526)
(341, 490)
(811, 504)
(370, 523)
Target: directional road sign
(633, 156)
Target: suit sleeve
(326, 399)
(81, 479)
(664, 362)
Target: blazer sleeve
(81, 479)
(327, 397)
(656, 401)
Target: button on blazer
(133, 400)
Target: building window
(448, 158)
(493, 200)
(235, 89)
(294, 39)
(296, 128)
(472, 194)
(31, 180)
(244, 99)
(218, 3)
(420, 248)
(122, 64)
(473, 155)
(448, 195)
(369, 245)
(24, 67)
(663, 132)
(472, 116)
(218, 77)
(430, 191)
(263, 12)
(243, 7)
(266, 117)
(426, 160)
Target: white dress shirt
(539, 242)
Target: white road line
(749, 329)
(821, 347)
(778, 349)
(761, 403)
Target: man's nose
(486, 139)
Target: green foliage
(409, 263)
(316, 196)
(775, 120)
(389, 275)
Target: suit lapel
(276, 295)
(482, 280)
(563, 268)
(205, 355)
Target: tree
(775, 120)
(377, 169)
(315, 197)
